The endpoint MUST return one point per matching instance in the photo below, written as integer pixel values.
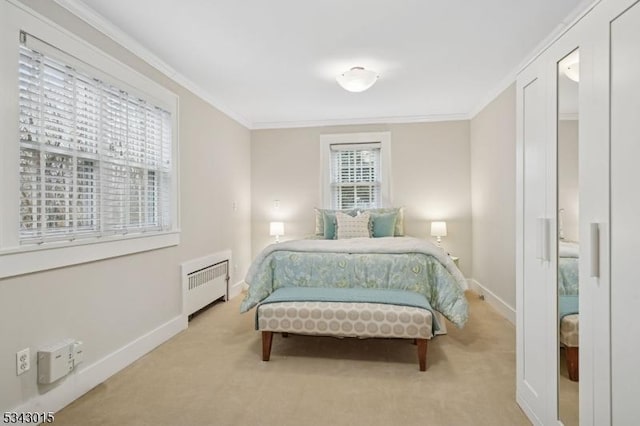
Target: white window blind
(95, 159)
(355, 175)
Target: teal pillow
(383, 224)
(399, 232)
(329, 219)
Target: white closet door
(532, 255)
(625, 216)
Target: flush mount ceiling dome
(573, 71)
(357, 79)
(571, 66)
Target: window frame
(16, 258)
(383, 138)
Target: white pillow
(352, 227)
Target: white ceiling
(273, 63)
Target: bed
(402, 263)
(568, 306)
(568, 282)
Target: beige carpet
(212, 374)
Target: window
(94, 159)
(355, 176)
(89, 152)
(356, 169)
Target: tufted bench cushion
(569, 325)
(362, 319)
(346, 319)
(569, 338)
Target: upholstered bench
(569, 338)
(361, 313)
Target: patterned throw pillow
(319, 217)
(352, 227)
(319, 222)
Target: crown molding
(262, 125)
(100, 23)
(507, 81)
(91, 17)
(579, 12)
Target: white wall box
(56, 361)
(608, 37)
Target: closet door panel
(595, 354)
(533, 269)
(534, 297)
(625, 215)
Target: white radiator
(205, 280)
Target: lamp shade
(276, 229)
(357, 79)
(438, 229)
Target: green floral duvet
(389, 263)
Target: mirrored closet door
(607, 148)
(568, 78)
(549, 222)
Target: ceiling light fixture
(357, 79)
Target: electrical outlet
(23, 361)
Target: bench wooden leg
(573, 364)
(267, 338)
(422, 353)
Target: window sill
(28, 259)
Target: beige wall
(430, 177)
(568, 177)
(110, 303)
(493, 173)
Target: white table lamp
(439, 230)
(276, 229)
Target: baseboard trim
(527, 410)
(236, 289)
(80, 382)
(496, 302)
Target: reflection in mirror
(568, 194)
